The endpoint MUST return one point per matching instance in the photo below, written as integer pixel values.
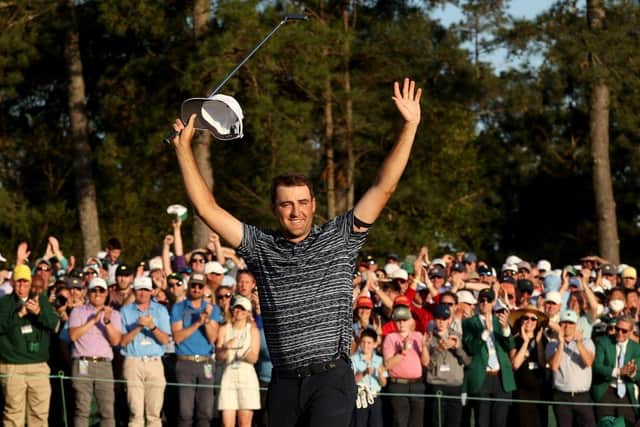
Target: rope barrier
(439, 395)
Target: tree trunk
(328, 143)
(608, 242)
(348, 137)
(82, 155)
(202, 141)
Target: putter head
(219, 114)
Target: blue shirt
(264, 365)
(359, 364)
(144, 343)
(197, 343)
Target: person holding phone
(487, 339)
(445, 372)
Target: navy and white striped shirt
(305, 290)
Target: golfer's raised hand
(184, 133)
(408, 100)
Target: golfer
(305, 273)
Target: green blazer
(475, 372)
(605, 362)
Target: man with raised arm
(305, 273)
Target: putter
(225, 99)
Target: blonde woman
(238, 346)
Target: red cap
(364, 302)
(401, 300)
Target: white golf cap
(544, 265)
(510, 267)
(513, 259)
(390, 268)
(466, 297)
(178, 210)
(214, 267)
(440, 262)
(219, 114)
(97, 283)
(142, 283)
(400, 274)
(155, 263)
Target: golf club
(285, 19)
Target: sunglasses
(531, 318)
(174, 284)
(43, 269)
(208, 296)
(624, 331)
(98, 290)
(196, 285)
(224, 296)
(198, 260)
(448, 304)
(90, 273)
(485, 300)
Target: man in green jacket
(615, 371)
(26, 320)
(487, 339)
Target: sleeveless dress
(239, 387)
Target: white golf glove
(365, 397)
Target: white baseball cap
(220, 114)
(400, 274)
(466, 297)
(142, 283)
(545, 265)
(97, 283)
(214, 267)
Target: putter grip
(169, 136)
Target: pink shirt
(410, 367)
(94, 342)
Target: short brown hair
(289, 180)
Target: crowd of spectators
(453, 326)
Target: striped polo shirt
(305, 290)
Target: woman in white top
(238, 346)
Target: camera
(60, 301)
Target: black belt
(308, 370)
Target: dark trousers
(195, 403)
(371, 416)
(407, 411)
(169, 407)
(610, 396)
(529, 414)
(569, 415)
(260, 417)
(489, 413)
(324, 399)
(449, 411)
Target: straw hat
(515, 315)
